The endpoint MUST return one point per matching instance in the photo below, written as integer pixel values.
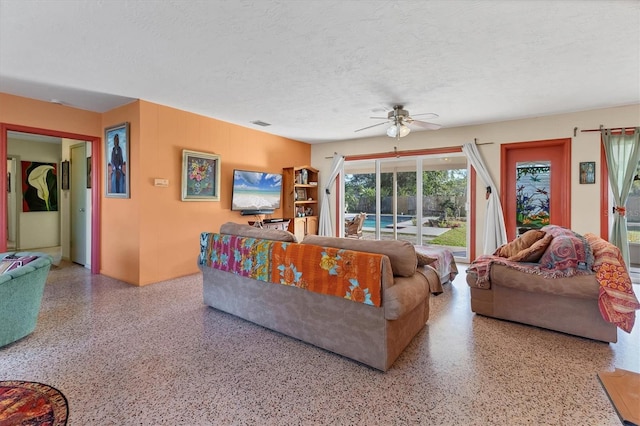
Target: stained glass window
(533, 192)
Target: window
(533, 189)
(421, 199)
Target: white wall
(36, 229)
(585, 199)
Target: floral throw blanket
(440, 259)
(348, 274)
(616, 299)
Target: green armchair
(20, 296)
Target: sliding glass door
(421, 199)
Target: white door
(78, 190)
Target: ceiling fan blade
(380, 118)
(374, 125)
(426, 125)
(430, 115)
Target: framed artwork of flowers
(200, 176)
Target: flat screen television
(256, 192)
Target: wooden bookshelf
(300, 200)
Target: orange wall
(120, 233)
(168, 229)
(154, 236)
(45, 115)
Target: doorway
(79, 209)
(12, 203)
(94, 143)
(536, 185)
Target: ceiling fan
(400, 121)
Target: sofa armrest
(406, 294)
(429, 272)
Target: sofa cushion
(248, 231)
(514, 247)
(533, 253)
(402, 254)
(577, 286)
(406, 294)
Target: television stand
(281, 224)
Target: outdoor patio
(407, 231)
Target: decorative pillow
(248, 231)
(514, 247)
(568, 254)
(533, 253)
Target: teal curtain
(622, 152)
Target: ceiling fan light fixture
(398, 121)
(398, 130)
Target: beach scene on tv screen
(256, 191)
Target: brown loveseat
(373, 335)
(549, 284)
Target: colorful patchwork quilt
(616, 299)
(355, 276)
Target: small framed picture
(301, 194)
(89, 172)
(116, 145)
(200, 176)
(65, 175)
(588, 172)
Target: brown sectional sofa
(569, 305)
(522, 289)
(372, 335)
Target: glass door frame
(379, 159)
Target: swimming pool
(385, 219)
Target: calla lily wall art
(39, 187)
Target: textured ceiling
(317, 70)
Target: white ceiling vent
(260, 123)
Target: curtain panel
(495, 233)
(325, 227)
(622, 152)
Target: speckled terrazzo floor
(155, 355)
